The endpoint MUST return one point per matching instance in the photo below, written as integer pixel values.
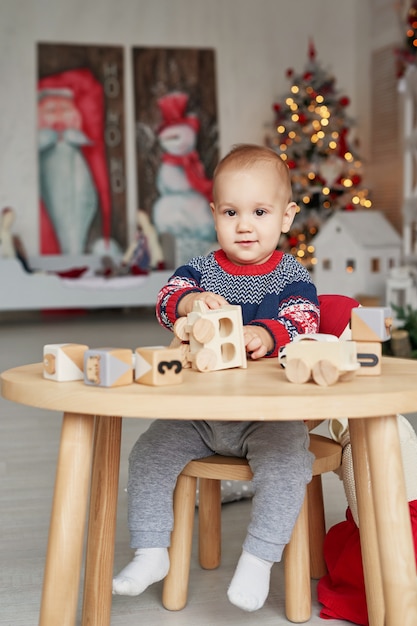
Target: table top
(260, 392)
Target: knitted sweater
(278, 295)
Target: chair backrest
(335, 312)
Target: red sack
(342, 590)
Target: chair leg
(297, 571)
(175, 589)
(209, 521)
(316, 527)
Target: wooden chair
(303, 555)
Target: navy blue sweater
(278, 295)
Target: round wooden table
(89, 458)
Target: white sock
(250, 583)
(149, 565)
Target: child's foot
(250, 583)
(149, 565)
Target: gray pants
(278, 456)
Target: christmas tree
(407, 53)
(311, 134)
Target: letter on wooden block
(158, 366)
(371, 323)
(369, 355)
(64, 361)
(108, 367)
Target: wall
(255, 42)
(385, 157)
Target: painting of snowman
(177, 145)
(183, 206)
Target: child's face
(250, 211)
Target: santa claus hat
(173, 107)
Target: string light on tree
(310, 133)
(407, 53)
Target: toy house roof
(367, 229)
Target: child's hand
(258, 341)
(210, 299)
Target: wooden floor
(29, 440)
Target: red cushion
(335, 313)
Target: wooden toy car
(214, 336)
(324, 358)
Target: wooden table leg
(368, 534)
(102, 522)
(66, 532)
(393, 524)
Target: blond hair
(244, 155)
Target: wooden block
(369, 355)
(371, 323)
(64, 361)
(108, 367)
(158, 365)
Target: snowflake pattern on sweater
(278, 295)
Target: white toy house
(355, 252)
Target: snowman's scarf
(194, 170)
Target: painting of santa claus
(80, 124)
